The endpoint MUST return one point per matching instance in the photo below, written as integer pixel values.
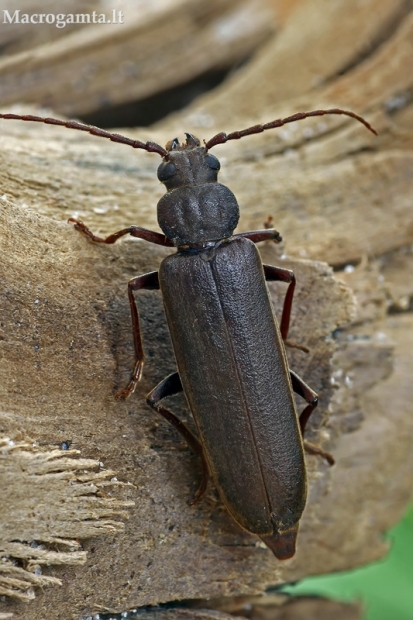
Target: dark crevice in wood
(145, 112)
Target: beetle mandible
(229, 350)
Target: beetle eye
(212, 162)
(166, 170)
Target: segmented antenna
(151, 147)
(222, 137)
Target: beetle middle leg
(169, 387)
(279, 274)
(302, 389)
(149, 281)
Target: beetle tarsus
(82, 228)
(295, 345)
(201, 490)
(256, 236)
(124, 394)
(312, 449)
(136, 377)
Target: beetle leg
(148, 281)
(301, 388)
(295, 345)
(261, 235)
(168, 387)
(312, 449)
(134, 231)
(283, 275)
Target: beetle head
(196, 208)
(187, 164)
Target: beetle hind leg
(168, 387)
(301, 388)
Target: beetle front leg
(268, 234)
(169, 387)
(149, 281)
(301, 388)
(134, 231)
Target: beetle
(229, 349)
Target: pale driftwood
(336, 194)
(156, 48)
(44, 487)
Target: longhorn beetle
(229, 349)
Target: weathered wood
(156, 48)
(40, 488)
(73, 348)
(344, 54)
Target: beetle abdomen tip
(282, 544)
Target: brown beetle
(229, 349)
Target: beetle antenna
(151, 147)
(222, 137)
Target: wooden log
(67, 348)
